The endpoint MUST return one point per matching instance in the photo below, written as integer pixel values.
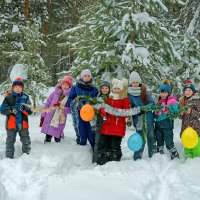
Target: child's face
(65, 86)
(135, 84)
(188, 92)
(164, 95)
(86, 78)
(116, 90)
(105, 90)
(17, 89)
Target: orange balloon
(87, 112)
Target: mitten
(41, 121)
(13, 110)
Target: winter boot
(47, 138)
(160, 149)
(57, 139)
(173, 153)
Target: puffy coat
(193, 119)
(114, 125)
(51, 101)
(20, 119)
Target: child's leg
(160, 140)
(138, 154)
(82, 132)
(25, 139)
(10, 141)
(151, 142)
(116, 152)
(95, 153)
(90, 135)
(103, 150)
(168, 137)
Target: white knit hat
(134, 77)
(121, 84)
(85, 72)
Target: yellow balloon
(189, 138)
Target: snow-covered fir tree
(37, 73)
(115, 37)
(188, 41)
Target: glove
(13, 110)
(102, 112)
(56, 104)
(22, 107)
(41, 121)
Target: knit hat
(105, 83)
(85, 72)
(68, 80)
(18, 82)
(134, 77)
(165, 86)
(189, 84)
(121, 84)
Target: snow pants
(85, 133)
(11, 138)
(109, 149)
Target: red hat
(68, 80)
(189, 84)
(18, 82)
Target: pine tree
(35, 66)
(188, 41)
(115, 37)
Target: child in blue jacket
(164, 126)
(17, 118)
(139, 96)
(84, 87)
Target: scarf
(85, 85)
(134, 91)
(114, 96)
(59, 117)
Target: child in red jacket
(114, 127)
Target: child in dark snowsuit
(114, 127)
(103, 94)
(84, 87)
(192, 117)
(138, 95)
(17, 118)
(164, 126)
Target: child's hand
(62, 107)
(41, 121)
(189, 111)
(13, 110)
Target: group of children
(106, 135)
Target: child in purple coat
(53, 122)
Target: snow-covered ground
(64, 171)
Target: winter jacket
(193, 119)
(114, 125)
(18, 120)
(162, 119)
(52, 100)
(137, 101)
